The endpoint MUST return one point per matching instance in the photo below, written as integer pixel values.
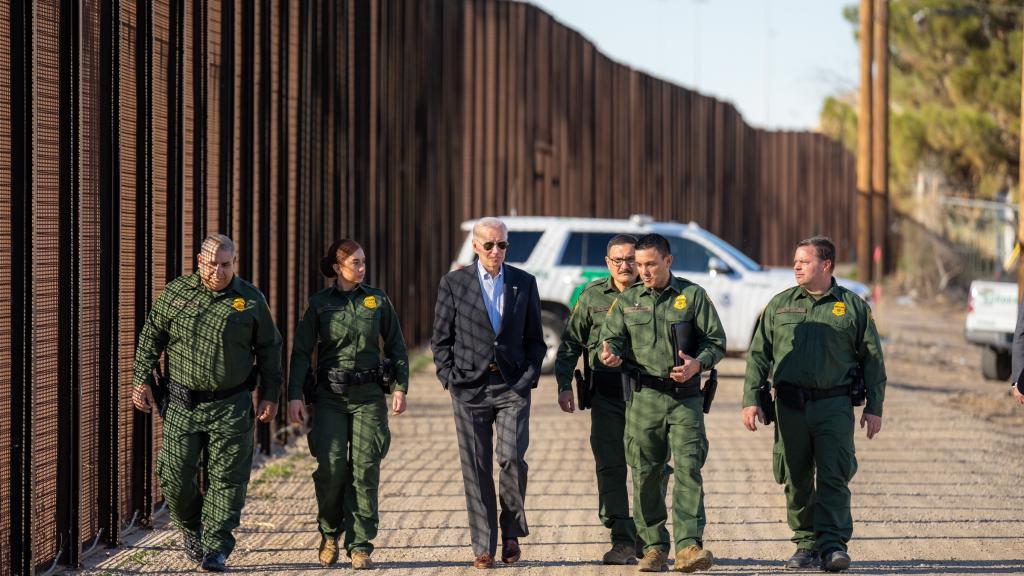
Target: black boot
(801, 559)
(835, 561)
(214, 562)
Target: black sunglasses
(501, 245)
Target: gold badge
(370, 302)
(680, 303)
(839, 309)
(238, 304)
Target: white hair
(491, 223)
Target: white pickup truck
(991, 320)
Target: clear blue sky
(775, 60)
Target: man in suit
(488, 347)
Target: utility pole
(880, 142)
(864, 146)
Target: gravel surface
(937, 492)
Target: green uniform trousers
(225, 428)
(816, 441)
(607, 431)
(659, 425)
(350, 437)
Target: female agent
(346, 324)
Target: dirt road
(937, 492)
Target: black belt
(338, 380)
(797, 396)
(189, 398)
(336, 376)
(670, 386)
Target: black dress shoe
(802, 558)
(835, 561)
(510, 551)
(193, 547)
(214, 562)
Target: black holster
(158, 386)
(766, 403)
(710, 387)
(858, 388)
(387, 375)
(630, 382)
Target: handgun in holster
(159, 387)
(858, 388)
(630, 380)
(584, 383)
(386, 368)
(765, 402)
(709, 389)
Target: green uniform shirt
(583, 331)
(346, 328)
(814, 344)
(638, 326)
(211, 338)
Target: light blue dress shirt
(493, 289)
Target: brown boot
(328, 553)
(361, 560)
(620, 554)
(654, 560)
(693, 558)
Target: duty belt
(670, 386)
(339, 380)
(796, 396)
(189, 399)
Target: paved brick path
(937, 492)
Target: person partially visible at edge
(345, 325)
(212, 326)
(816, 340)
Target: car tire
(995, 364)
(552, 325)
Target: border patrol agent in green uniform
(345, 324)
(821, 340)
(211, 325)
(665, 416)
(582, 335)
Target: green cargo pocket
(778, 463)
(847, 463)
(383, 440)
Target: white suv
(567, 253)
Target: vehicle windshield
(744, 260)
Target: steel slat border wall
(46, 269)
(286, 125)
(6, 311)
